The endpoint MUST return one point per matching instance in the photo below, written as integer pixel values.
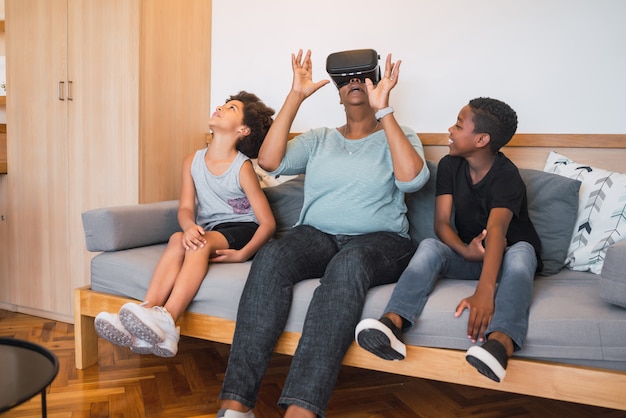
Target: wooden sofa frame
(586, 385)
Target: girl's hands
(379, 94)
(303, 75)
(228, 256)
(193, 238)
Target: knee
(521, 260)
(176, 240)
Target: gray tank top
(220, 198)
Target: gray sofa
(577, 319)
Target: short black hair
(496, 118)
(257, 116)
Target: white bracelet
(383, 112)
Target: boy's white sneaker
(380, 337)
(490, 359)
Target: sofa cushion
(568, 320)
(121, 227)
(286, 200)
(612, 278)
(421, 208)
(552, 207)
(131, 226)
(601, 211)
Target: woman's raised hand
(379, 94)
(303, 75)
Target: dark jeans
(348, 266)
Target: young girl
(232, 222)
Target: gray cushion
(613, 278)
(552, 207)
(286, 201)
(421, 208)
(130, 226)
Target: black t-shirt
(502, 187)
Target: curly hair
(495, 118)
(256, 116)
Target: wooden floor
(128, 385)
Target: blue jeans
(348, 266)
(435, 259)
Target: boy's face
(462, 138)
(228, 117)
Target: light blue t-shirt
(349, 187)
(220, 198)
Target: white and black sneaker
(490, 359)
(381, 337)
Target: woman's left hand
(379, 94)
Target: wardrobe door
(103, 63)
(37, 153)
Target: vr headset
(358, 63)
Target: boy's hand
(475, 250)
(481, 308)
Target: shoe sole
(135, 325)
(142, 350)
(109, 332)
(379, 340)
(485, 363)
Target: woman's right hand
(303, 83)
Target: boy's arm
(481, 303)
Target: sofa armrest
(612, 278)
(122, 227)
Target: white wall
(561, 64)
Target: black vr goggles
(358, 63)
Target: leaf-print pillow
(601, 219)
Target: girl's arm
(263, 212)
(193, 235)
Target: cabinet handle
(69, 90)
(60, 90)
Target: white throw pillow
(601, 219)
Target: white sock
(229, 413)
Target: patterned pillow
(601, 217)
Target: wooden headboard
(606, 151)
(531, 150)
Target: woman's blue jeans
(434, 259)
(348, 266)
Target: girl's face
(228, 117)
(462, 138)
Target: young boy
(492, 240)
